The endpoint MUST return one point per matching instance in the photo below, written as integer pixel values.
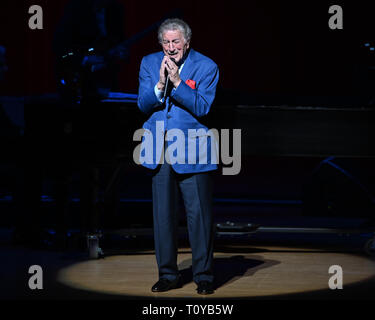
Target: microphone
(166, 89)
(166, 83)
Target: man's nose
(171, 46)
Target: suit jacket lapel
(188, 66)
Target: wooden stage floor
(242, 271)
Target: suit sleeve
(147, 99)
(198, 101)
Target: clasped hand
(172, 69)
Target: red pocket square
(191, 83)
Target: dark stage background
(278, 54)
(272, 47)
(303, 97)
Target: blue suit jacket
(179, 116)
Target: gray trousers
(196, 190)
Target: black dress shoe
(165, 285)
(205, 287)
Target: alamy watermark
(336, 280)
(36, 20)
(36, 280)
(336, 20)
(191, 146)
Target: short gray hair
(175, 24)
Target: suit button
(169, 116)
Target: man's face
(174, 44)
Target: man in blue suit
(176, 88)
